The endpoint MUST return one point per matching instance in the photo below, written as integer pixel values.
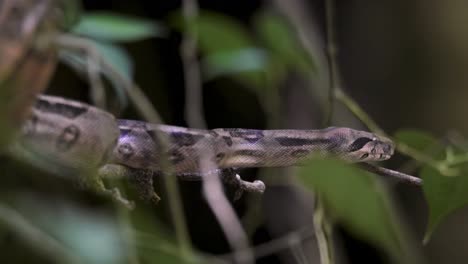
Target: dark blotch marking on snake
(300, 153)
(185, 139)
(68, 138)
(213, 133)
(67, 110)
(124, 131)
(228, 140)
(293, 142)
(359, 144)
(248, 152)
(220, 156)
(250, 135)
(126, 150)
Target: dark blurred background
(402, 61)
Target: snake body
(70, 134)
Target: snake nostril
(387, 149)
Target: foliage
(261, 57)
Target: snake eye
(359, 143)
(364, 156)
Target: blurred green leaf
(233, 62)
(92, 236)
(444, 195)
(113, 55)
(164, 252)
(71, 13)
(218, 33)
(114, 27)
(417, 139)
(357, 201)
(117, 57)
(283, 43)
(228, 48)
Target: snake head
(366, 146)
(361, 146)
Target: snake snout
(388, 148)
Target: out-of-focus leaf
(444, 195)
(228, 49)
(419, 140)
(280, 38)
(218, 33)
(71, 11)
(93, 237)
(233, 62)
(113, 27)
(168, 253)
(113, 55)
(358, 202)
(154, 242)
(117, 57)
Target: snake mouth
(384, 156)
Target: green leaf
(283, 43)
(71, 12)
(218, 33)
(90, 236)
(419, 140)
(228, 48)
(444, 195)
(234, 62)
(112, 55)
(113, 27)
(358, 202)
(117, 57)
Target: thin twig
(324, 241)
(144, 106)
(358, 111)
(331, 55)
(139, 99)
(212, 187)
(274, 246)
(400, 176)
(188, 50)
(97, 91)
(225, 214)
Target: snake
(68, 134)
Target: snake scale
(70, 134)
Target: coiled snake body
(67, 135)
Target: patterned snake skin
(68, 134)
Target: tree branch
(400, 176)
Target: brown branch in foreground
(400, 176)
